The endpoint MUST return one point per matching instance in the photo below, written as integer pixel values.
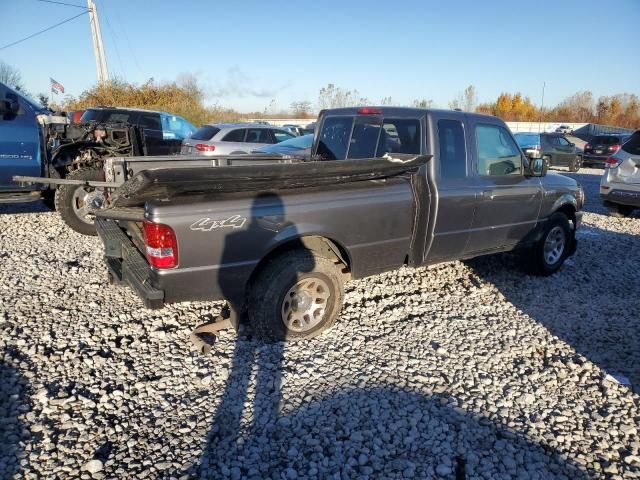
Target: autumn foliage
(621, 110)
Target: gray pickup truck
(385, 188)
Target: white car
(620, 183)
(564, 129)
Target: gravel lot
(461, 370)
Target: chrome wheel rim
(554, 245)
(304, 304)
(82, 205)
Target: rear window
(206, 132)
(235, 135)
(367, 137)
(632, 146)
(527, 139)
(108, 116)
(606, 139)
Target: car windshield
(527, 139)
(606, 139)
(106, 116)
(632, 145)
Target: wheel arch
(319, 244)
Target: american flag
(56, 86)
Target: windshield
(527, 139)
(107, 116)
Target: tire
(620, 211)
(549, 253)
(575, 164)
(69, 204)
(547, 161)
(269, 296)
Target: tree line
(186, 97)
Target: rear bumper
(621, 197)
(594, 159)
(127, 265)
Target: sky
(247, 53)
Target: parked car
(295, 129)
(554, 148)
(233, 138)
(564, 129)
(454, 185)
(294, 147)
(602, 147)
(620, 183)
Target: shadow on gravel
(259, 432)
(381, 432)
(591, 303)
(13, 402)
(28, 207)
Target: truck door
(20, 152)
(508, 202)
(456, 189)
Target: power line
(63, 3)
(42, 31)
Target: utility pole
(98, 47)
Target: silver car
(620, 183)
(232, 138)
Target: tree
(43, 99)
(11, 76)
(422, 103)
(336, 97)
(386, 101)
(470, 98)
(301, 109)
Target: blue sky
(247, 53)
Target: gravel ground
(460, 370)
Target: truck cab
(21, 146)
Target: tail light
(203, 147)
(612, 162)
(613, 148)
(161, 244)
(588, 147)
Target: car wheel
(547, 161)
(296, 296)
(620, 211)
(73, 202)
(549, 253)
(575, 163)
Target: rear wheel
(296, 296)
(620, 211)
(73, 202)
(575, 163)
(549, 253)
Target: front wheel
(549, 253)
(547, 161)
(296, 296)
(74, 202)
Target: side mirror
(537, 167)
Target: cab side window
(453, 150)
(498, 154)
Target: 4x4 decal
(208, 224)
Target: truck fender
(290, 238)
(566, 204)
